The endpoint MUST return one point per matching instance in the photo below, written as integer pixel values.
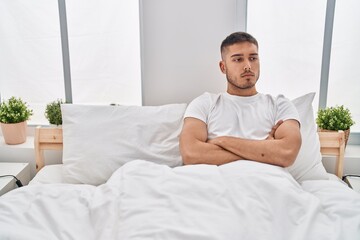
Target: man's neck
(243, 92)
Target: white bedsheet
(143, 200)
(49, 174)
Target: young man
(240, 123)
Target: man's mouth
(247, 75)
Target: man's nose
(247, 67)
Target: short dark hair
(237, 37)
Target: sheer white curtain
(30, 52)
(290, 35)
(104, 45)
(344, 86)
(104, 42)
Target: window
(104, 49)
(104, 43)
(344, 87)
(290, 36)
(30, 59)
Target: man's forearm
(256, 150)
(207, 153)
(195, 149)
(274, 151)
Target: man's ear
(222, 67)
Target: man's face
(240, 63)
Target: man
(240, 123)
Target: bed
(122, 177)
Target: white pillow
(308, 164)
(99, 139)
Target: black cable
(350, 175)
(18, 182)
(345, 179)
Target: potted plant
(14, 113)
(335, 119)
(53, 112)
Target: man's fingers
(273, 129)
(278, 124)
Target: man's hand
(271, 136)
(273, 130)
(195, 149)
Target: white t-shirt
(245, 117)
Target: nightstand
(353, 182)
(20, 170)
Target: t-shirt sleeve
(286, 109)
(199, 108)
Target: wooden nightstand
(20, 170)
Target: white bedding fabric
(144, 200)
(49, 174)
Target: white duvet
(143, 200)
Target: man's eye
(237, 59)
(253, 58)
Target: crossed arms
(279, 148)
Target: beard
(245, 83)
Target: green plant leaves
(334, 118)
(14, 110)
(53, 112)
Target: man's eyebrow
(241, 55)
(237, 55)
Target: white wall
(180, 47)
